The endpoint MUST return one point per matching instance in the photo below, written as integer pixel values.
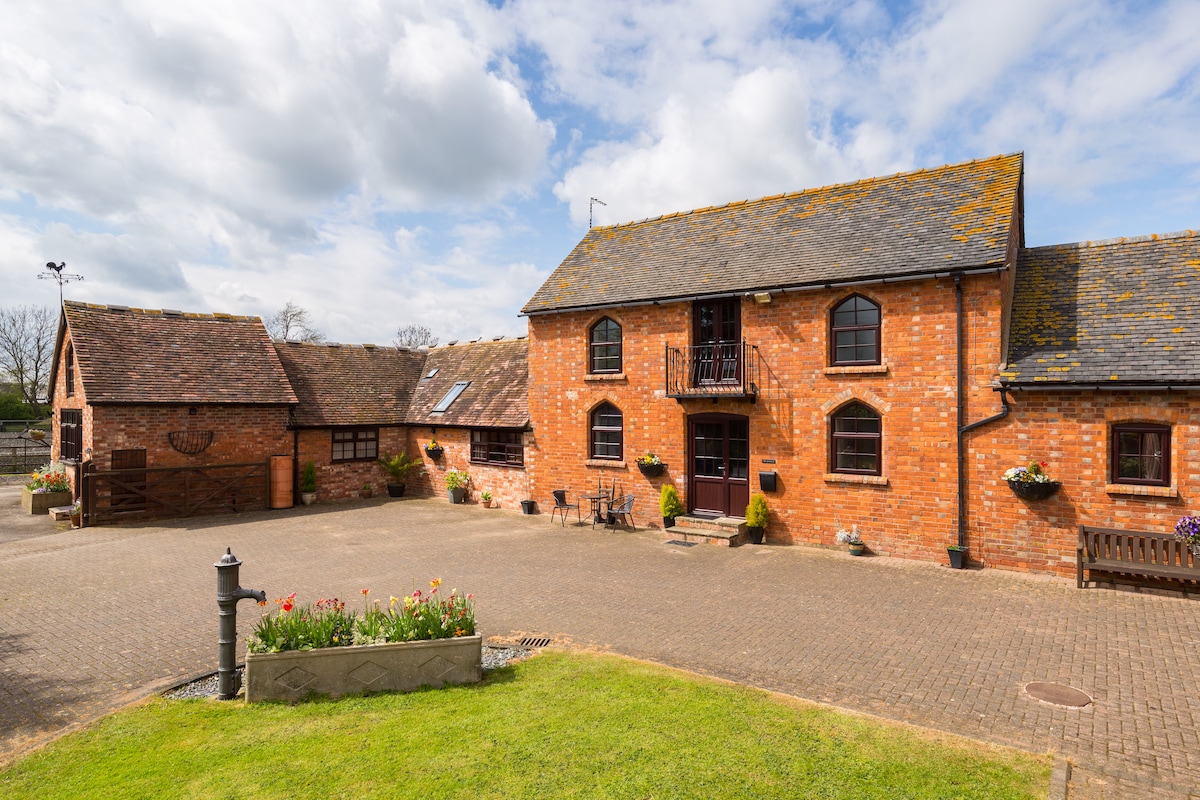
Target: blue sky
(431, 162)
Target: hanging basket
(434, 452)
(190, 442)
(1027, 490)
(651, 470)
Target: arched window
(604, 347)
(856, 438)
(606, 425)
(854, 332)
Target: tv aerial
(592, 201)
(56, 273)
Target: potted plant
(757, 517)
(958, 556)
(423, 639)
(76, 514)
(456, 484)
(486, 497)
(48, 488)
(308, 483)
(669, 505)
(528, 506)
(398, 467)
(1031, 482)
(434, 450)
(1188, 530)
(852, 539)
(650, 465)
(365, 492)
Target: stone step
(724, 531)
(58, 513)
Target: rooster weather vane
(56, 273)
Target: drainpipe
(964, 429)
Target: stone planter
(456, 495)
(41, 502)
(308, 498)
(333, 671)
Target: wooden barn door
(128, 489)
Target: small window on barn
(856, 438)
(355, 444)
(607, 432)
(605, 347)
(70, 434)
(1141, 454)
(450, 396)
(854, 332)
(70, 376)
(506, 448)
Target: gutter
(1102, 387)
(813, 287)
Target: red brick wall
(78, 400)
(345, 479)
(508, 485)
(1071, 431)
(912, 515)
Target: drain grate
(1058, 694)
(535, 641)
(678, 543)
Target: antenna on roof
(592, 204)
(56, 273)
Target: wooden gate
(117, 495)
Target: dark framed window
(606, 429)
(70, 434)
(605, 347)
(355, 444)
(70, 377)
(1141, 454)
(498, 447)
(856, 437)
(854, 332)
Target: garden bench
(1154, 555)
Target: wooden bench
(1154, 555)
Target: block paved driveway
(100, 617)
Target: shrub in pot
(308, 483)
(457, 481)
(757, 517)
(669, 504)
(398, 467)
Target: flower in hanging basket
(649, 460)
(1188, 530)
(1034, 473)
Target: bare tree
(292, 322)
(413, 335)
(26, 347)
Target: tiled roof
(1110, 312)
(952, 217)
(350, 384)
(133, 355)
(498, 371)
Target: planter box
(333, 671)
(42, 502)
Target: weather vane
(592, 204)
(56, 273)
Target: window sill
(869, 480)
(1141, 491)
(860, 369)
(604, 463)
(496, 464)
(605, 376)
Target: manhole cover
(678, 543)
(1057, 693)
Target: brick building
(150, 393)
(850, 342)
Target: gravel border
(493, 658)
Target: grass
(560, 725)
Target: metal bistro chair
(561, 506)
(621, 509)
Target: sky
(389, 163)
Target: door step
(726, 531)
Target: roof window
(450, 397)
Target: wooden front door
(128, 489)
(717, 338)
(719, 458)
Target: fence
(129, 494)
(19, 451)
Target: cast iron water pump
(228, 594)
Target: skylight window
(450, 397)
(431, 373)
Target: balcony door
(719, 464)
(717, 337)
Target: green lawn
(559, 725)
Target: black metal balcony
(725, 369)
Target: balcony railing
(728, 369)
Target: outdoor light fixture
(762, 298)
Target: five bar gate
(125, 494)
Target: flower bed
(420, 640)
